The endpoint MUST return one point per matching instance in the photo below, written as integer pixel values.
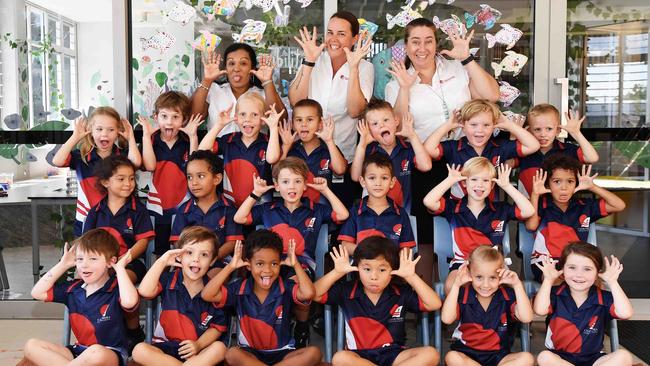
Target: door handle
(564, 102)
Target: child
(377, 214)
(95, 302)
(207, 207)
(544, 124)
(379, 135)
(165, 153)
(578, 310)
(560, 217)
(246, 153)
(315, 145)
(189, 328)
(96, 138)
(375, 312)
(474, 219)
(262, 300)
(485, 310)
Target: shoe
(133, 337)
(318, 324)
(301, 336)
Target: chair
(442, 246)
(322, 248)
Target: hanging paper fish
(486, 15)
(507, 93)
(253, 31)
(13, 121)
(305, 3)
(266, 5)
(381, 62)
(398, 51)
(282, 16)
(221, 7)
(161, 41)
(181, 13)
(474, 50)
(402, 18)
(508, 35)
(70, 113)
(515, 117)
(513, 62)
(206, 42)
(370, 27)
(453, 24)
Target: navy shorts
(384, 356)
(77, 349)
(268, 357)
(170, 348)
(579, 359)
(485, 358)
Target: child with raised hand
(374, 307)
(475, 220)
(93, 140)
(313, 141)
(262, 301)
(189, 328)
(248, 152)
(562, 218)
(579, 309)
(485, 298)
(96, 303)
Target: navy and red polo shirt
(128, 225)
(219, 219)
(169, 182)
(262, 326)
(393, 223)
(184, 317)
(87, 195)
(240, 163)
(97, 318)
(403, 159)
(530, 164)
(484, 330)
(302, 225)
(578, 330)
(319, 164)
(558, 228)
(370, 326)
(468, 231)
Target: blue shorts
(78, 349)
(169, 348)
(268, 357)
(579, 359)
(485, 358)
(384, 356)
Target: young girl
(95, 139)
(578, 309)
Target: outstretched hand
(406, 264)
(341, 260)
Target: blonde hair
(478, 164)
(486, 253)
(87, 144)
(543, 108)
(476, 106)
(253, 97)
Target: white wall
(95, 42)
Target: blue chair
(322, 246)
(443, 247)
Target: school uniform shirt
(468, 231)
(484, 330)
(262, 326)
(301, 225)
(403, 159)
(219, 219)
(529, 165)
(331, 91)
(450, 86)
(128, 225)
(393, 223)
(370, 326)
(241, 163)
(558, 228)
(220, 97)
(184, 317)
(97, 318)
(578, 330)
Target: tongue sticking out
(385, 136)
(266, 281)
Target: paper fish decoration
(70, 113)
(13, 121)
(515, 117)
(452, 24)
(486, 15)
(206, 42)
(282, 16)
(474, 50)
(181, 13)
(253, 31)
(507, 93)
(402, 18)
(513, 62)
(508, 35)
(161, 41)
(398, 51)
(305, 3)
(221, 7)
(266, 5)
(370, 27)
(381, 62)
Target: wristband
(469, 59)
(203, 87)
(266, 83)
(307, 63)
(254, 196)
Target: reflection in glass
(36, 25)
(37, 86)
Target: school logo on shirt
(405, 166)
(343, 77)
(591, 328)
(584, 221)
(262, 155)
(324, 165)
(129, 226)
(309, 223)
(396, 311)
(497, 225)
(103, 310)
(205, 320)
(496, 160)
(397, 230)
(503, 323)
(278, 314)
(222, 222)
(186, 156)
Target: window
(2, 101)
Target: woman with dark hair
(243, 75)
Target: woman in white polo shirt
(242, 76)
(341, 81)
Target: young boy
(165, 152)
(475, 220)
(262, 300)
(375, 312)
(207, 207)
(315, 145)
(377, 214)
(379, 135)
(95, 302)
(484, 312)
(189, 328)
(544, 124)
(561, 218)
(246, 153)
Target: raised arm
(299, 88)
(272, 120)
(422, 157)
(427, 295)
(191, 130)
(320, 184)
(211, 72)
(523, 309)
(222, 120)
(365, 138)
(265, 73)
(45, 283)
(259, 188)
(539, 188)
(356, 101)
(79, 132)
(148, 155)
(432, 199)
(128, 294)
(622, 304)
(149, 284)
(128, 135)
(525, 207)
(306, 289)
(613, 203)
(433, 141)
(212, 290)
(529, 143)
(287, 138)
(449, 312)
(573, 124)
(543, 297)
(337, 161)
(342, 267)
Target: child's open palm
(124, 260)
(127, 129)
(193, 125)
(147, 128)
(539, 181)
(612, 270)
(69, 255)
(504, 175)
(507, 277)
(287, 136)
(454, 172)
(80, 128)
(259, 185)
(463, 275)
(291, 259)
(573, 122)
(585, 179)
(237, 261)
(547, 266)
(407, 127)
(272, 118)
(171, 258)
(365, 137)
(406, 264)
(327, 132)
(341, 260)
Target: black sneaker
(133, 337)
(318, 324)
(301, 335)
